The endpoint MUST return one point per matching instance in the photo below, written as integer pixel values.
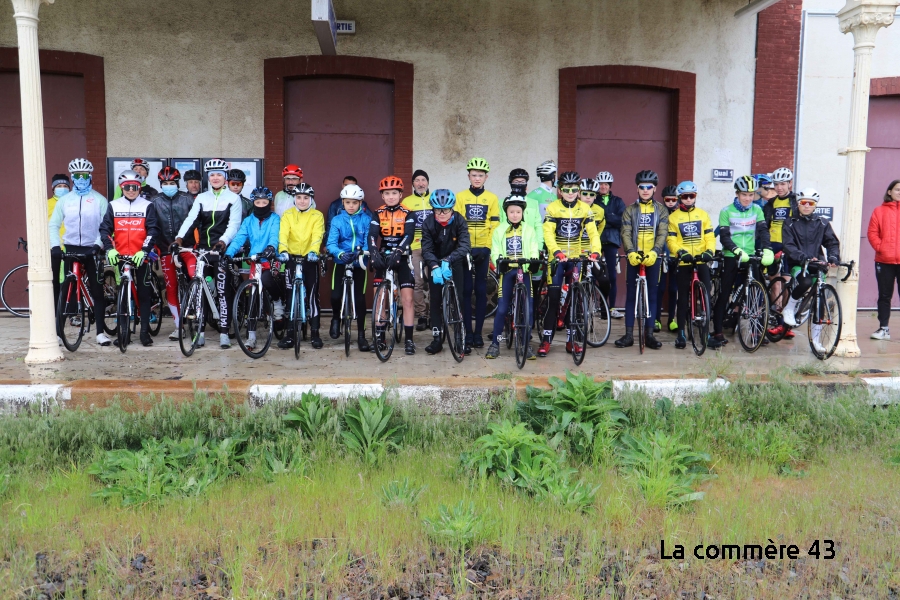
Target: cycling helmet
(604, 177)
(353, 191)
(129, 176)
(169, 174)
(215, 164)
(686, 187)
(809, 194)
(514, 200)
(391, 182)
(569, 177)
(260, 193)
(782, 174)
(517, 173)
(546, 170)
(443, 199)
(479, 164)
(646, 177)
(669, 190)
(745, 183)
(193, 175)
(305, 188)
(763, 180)
(292, 170)
(590, 185)
(237, 175)
(81, 165)
(140, 162)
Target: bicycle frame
(297, 284)
(81, 291)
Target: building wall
(486, 73)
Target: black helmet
(670, 190)
(514, 200)
(646, 177)
(237, 175)
(305, 188)
(193, 175)
(516, 173)
(569, 177)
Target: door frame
(90, 67)
(279, 70)
(681, 83)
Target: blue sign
(723, 175)
(825, 211)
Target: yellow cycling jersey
(599, 219)
(51, 204)
(782, 210)
(482, 214)
(301, 232)
(691, 231)
(419, 207)
(646, 233)
(564, 227)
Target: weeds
(313, 416)
(457, 526)
(401, 494)
(665, 469)
(367, 433)
(810, 369)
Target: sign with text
(345, 27)
(325, 25)
(825, 211)
(252, 168)
(116, 164)
(723, 175)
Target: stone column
(862, 18)
(42, 347)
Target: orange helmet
(391, 182)
(293, 170)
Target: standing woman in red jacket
(884, 236)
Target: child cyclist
(690, 236)
(565, 222)
(445, 245)
(514, 241)
(347, 238)
(390, 234)
(590, 188)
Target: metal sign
(345, 27)
(723, 175)
(325, 25)
(825, 211)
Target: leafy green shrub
(313, 416)
(458, 526)
(664, 468)
(401, 493)
(283, 456)
(560, 489)
(366, 430)
(508, 447)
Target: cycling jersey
(781, 208)
(544, 196)
(691, 230)
(514, 241)
(129, 225)
(482, 213)
(394, 225)
(284, 201)
(347, 232)
(533, 217)
(301, 232)
(645, 227)
(51, 204)
(805, 236)
(739, 229)
(171, 213)
(448, 242)
(217, 216)
(81, 216)
(260, 234)
(599, 219)
(564, 225)
(419, 207)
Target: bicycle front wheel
(754, 317)
(14, 291)
(640, 312)
(521, 319)
(111, 299)
(156, 304)
(253, 319)
(578, 322)
(699, 316)
(347, 315)
(191, 317)
(123, 315)
(493, 293)
(598, 324)
(825, 323)
(296, 320)
(71, 315)
(382, 309)
(779, 294)
(453, 323)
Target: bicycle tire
(15, 276)
(156, 304)
(508, 329)
(453, 324)
(296, 319)
(700, 309)
(598, 324)
(123, 317)
(64, 314)
(778, 292)
(111, 300)
(753, 318)
(641, 311)
(521, 321)
(190, 326)
(347, 315)
(830, 317)
(381, 318)
(256, 312)
(578, 322)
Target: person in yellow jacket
(481, 209)
(60, 185)
(691, 237)
(565, 222)
(419, 206)
(301, 233)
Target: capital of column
(28, 9)
(864, 18)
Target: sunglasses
(589, 194)
(670, 200)
(443, 211)
(130, 187)
(81, 175)
(569, 190)
(688, 196)
(806, 203)
(646, 186)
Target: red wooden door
(882, 167)
(64, 139)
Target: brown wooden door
(882, 167)
(64, 139)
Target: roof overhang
(754, 7)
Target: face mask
(60, 191)
(261, 212)
(170, 190)
(83, 186)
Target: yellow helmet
(479, 164)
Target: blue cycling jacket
(347, 232)
(259, 233)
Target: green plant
(313, 416)
(457, 526)
(560, 489)
(508, 447)
(401, 493)
(664, 468)
(810, 369)
(4, 480)
(282, 457)
(367, 433)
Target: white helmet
(129, 175)
(546, 168)
(809, 194)
(604, 177)
(215, 164)
(782, 174)
(81, 165)
(353, 191)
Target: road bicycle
(299, 314)
(748, 306)
(387, 311)
(451, 314)
(700, 307)
(492, 291)
(253, 310)
(126, 301)
(198, 304)
(14, 289)
(348, 301)
(75, 305)
(641, 302)
(517, 328)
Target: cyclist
(742, 229)
(690, 236)
(667, 280)
(765, 187)
(779, 209)
(236, 180)
(337, 205)
(588, 194)
(804, 237)
(565, 222)
(216, 213)
(645, 228)
(193, 182)
(292, 176)
(419, 207)
(81, 211)
(130, 227)
(511, 242)
(518, 182)
(172, 207)
(60, 185)
(142, 168)
(302, 230)
(445, 246)
(611, 239)
(481, 210)
(349, 231)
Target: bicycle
(200, 296)
(348, 301)
(492, 292)
(779, 291)
(641, 302)
(387, 312)
(299, 317)
(517, 328)
(254, 310)
(14, 289)
(126, 293)
(75, 305)
(700, 309)
(749, 302)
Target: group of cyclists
(431, 237)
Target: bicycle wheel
(699, 317)
(641, 312)
(522, 321)
(578, 308)
(156, 304)
(71, 315)
(14, 291)
(123, 316)
(382, 309)
(825, 324)
(296, 320)
(754, 317)
(453, 324)
(191, 317)
(493, 293)
(347, 315)
(598, 324)
(111, 296)
(779, 293)
(253, 319)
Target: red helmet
(391, 182)
(140, 162)
(293, 170)
(169, 174)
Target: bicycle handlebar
(849, 267)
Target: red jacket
(884, 233)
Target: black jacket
(804, 237)
(769, 209)
(450, 243)
(612, 212)
(170, 214)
